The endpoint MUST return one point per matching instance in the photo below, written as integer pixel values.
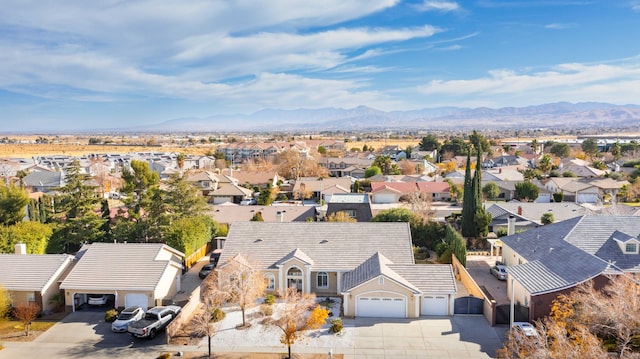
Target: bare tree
(298, 313)
(242, 283)
(407, 167)
(212, 298)
(340, 216)
(26, 313)
(421, 204)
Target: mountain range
(560, 115)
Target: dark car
(206, 269)
(499, 271)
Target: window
(31, 297)
(631, 248)
(270, 279)
(350, 212)
(322, 280)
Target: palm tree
(180, 159)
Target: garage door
(136, 299)
(434, 305)
(381, 307)
(384, 198)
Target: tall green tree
(527, 191)
(187, 234)
(469, 205)
(616, 151)
(139, 185)
(590, 147)
(491, 191)
(429, 143)
(560, 150)
(182, 198)
(13, 202)
(457, 244)
(545, 165)
(481, 218)
(80, 219)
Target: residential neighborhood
(380, 238)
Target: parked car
(215, 257)
(206, 269)
(155, 320)
(126, 317)
(526, 328)
(248, 202)
(499, 271)
(97, 299)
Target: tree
(242, 283)
(26, 313)
(491, 191)
(407, 167)
(535, 145)
(547, 218)
(322, 150)
(527, 191)
(295, 317)
(257, 217)
(408, 150)
(5, 302)
(429, 143)
(616, 151)
(479, 142)
(182, 198)
(560, 150)
(558, 197)
(188, 234)
(454, 190)
(468, 204)
(341, 216)
(384, 163)
(456, 146)
(212, 299)
(456, 244)
(545, 164)
(372, 171)
(13, 201)
(180, 158)
(80, 218)
(35, 235)
(139, 185)
(590, 147)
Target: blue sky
(78, 64)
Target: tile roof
(120, 266)
(230, 213)
(296, 254)
(31, 272)
(429, 278)
(373, 267)
(332, 246)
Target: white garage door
(221, 200)
(434, 305)
(384, 198)
(136, 299)
(381, 307)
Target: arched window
(322, 280)
(270, 279)
(294, 278)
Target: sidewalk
(190, 281)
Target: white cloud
(560, 26)
(635, 5)
(614, 82)
(443, 6)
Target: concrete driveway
(478, 268)
(83, 334)
(460, 336)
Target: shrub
(217, 315)
(558, 196)
(266, 309)
(164, 356)
(269, 299)
(111, 315)
(501, 232)
(336, 326)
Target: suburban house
(319, 187)
(229, 213)
(528, 215)
(394, 192)
(345, 166)
(43, 181)
(143, 274)
(506, 161)
(551, 260)
(33, 278)
(580, 168)
(370, 264)
(256, 178)
(584, 190)
(356, 205)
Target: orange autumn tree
(295, 317)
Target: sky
(77, 64)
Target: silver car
(499, 271)
(126, 317)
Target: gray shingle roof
(120, 266)
(429, 278)
(332, 246)
(373, 267)
(31, 272)
(44, 179)
(567, 253)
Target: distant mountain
(552, 115)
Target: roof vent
(324, 241)
(550, 249)
(258, 240)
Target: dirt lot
(259, 356)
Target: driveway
(83, 334)
(478, 268)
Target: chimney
(280, 216)
(519, 210)
(500, 170)
(20, 248)
(511, 225)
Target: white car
(525, 328)
(248, 202)
(127, 316)
(97, 299)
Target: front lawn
(11, 330)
